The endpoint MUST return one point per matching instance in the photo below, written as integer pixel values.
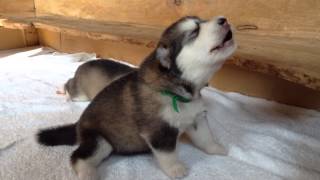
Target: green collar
(175, 98)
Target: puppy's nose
(221, 21)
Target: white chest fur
(186, 115)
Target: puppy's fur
(131, 115)
(91, 77)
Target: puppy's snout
(222, 21)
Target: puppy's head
(196, 48)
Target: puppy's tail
(63, 135)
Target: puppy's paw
(86, 172)
(215, 149)
(178, 170)
(88, 176)
(202, 116)
(61, 90)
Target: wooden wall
(12, 34)
(22, 8)
(274, 17)
(17, 35)
(120, 50)
(11, 38)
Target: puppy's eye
(194, 33)
(196, 30)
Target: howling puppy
(148, 109)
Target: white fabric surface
(266, 140)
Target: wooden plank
(21, 8)
(24, 31)
(153, 12)
(293, 59)
(131, 33)
(132, 53)
(31, 36)
(17, 34)
(50, 38)
(290, 18)
(11, 38)
(13, 24)
(64, 42)
(17, 38)
(234, 79)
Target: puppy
(91, 77)
(148, 109)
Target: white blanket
(265, 140)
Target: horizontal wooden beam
(290, 18)
(17, 34)
(231, 78)
(12, 24)
(20, 8)
(293, 59)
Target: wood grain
(293, 59)
(291, 18)
(22, 8)
(231, 78)
(17, 38)
(17, 34)
(13, 24)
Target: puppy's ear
(163, 56)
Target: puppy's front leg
(201, 136)
(169, 163)
(163, 145)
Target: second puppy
(91, 77)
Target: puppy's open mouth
(227, 38)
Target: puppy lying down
(92, 76)
(147, 109)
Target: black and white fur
(130, 116)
